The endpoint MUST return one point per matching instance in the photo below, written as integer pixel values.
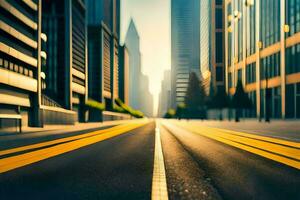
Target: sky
(152, 19)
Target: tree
(220, 101)
(240, 100)
(170, 114)
(195, 98)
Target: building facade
(124, 74)
(43, 78)
(20, 63)
(212, 45)
(185, 46)
(103, 45)
(262, 42)
(217, 45)
(64, 24)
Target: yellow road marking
(10, 163)
(236, 143)
(159, 182)
(275, 148)
(57, 141)
(269, 139)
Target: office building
(139, 95)
(103, 45)
(185, 46)
(212, 45)
(262, 43)
(218, 45)
(20, 43)
(43, 77)
(64, 24)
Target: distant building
(66, 87)
(165, 94)
(145, 97)
(262, 43)
(185, 46)
(139, 95)
(103, 45)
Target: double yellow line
(282, 151)
(60, 146)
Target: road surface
(146, 159)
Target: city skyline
(150, 15)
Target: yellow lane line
(159, 182)
(275, 157)
(57, 141)
(269, 139)
(10, 163)
(275, 148)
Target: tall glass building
(185, 46)
(262, 43)
(64, 23)
(212, 45)
(103, 46)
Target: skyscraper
(212, 45)
(64, 24)
(139, 96)
(185, 46)
(103, 45)
(262, 43)
(132, 41)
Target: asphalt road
(121, 167)
(237, 174)
(117, 168)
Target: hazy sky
(152, 19)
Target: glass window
(229, 80)
(240, 77)
(219, 18)
(293, 16)
(219, 2)
(270, 22)
(292, 61)
(290, 101)
(270, 66)
(219, 47)
(251, 73)
(219, 73)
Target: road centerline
(159, 182)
